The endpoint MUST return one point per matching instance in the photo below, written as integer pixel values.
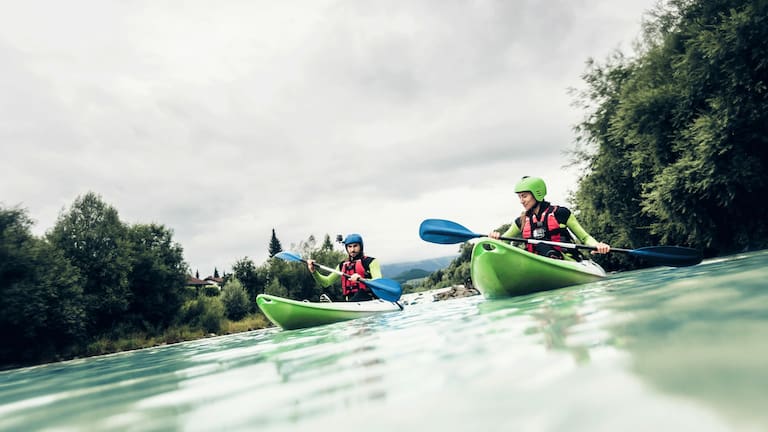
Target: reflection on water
(662, 349)
(705, 336)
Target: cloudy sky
(224, 120)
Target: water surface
(664, 349)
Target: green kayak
(501, 270)
(292, 314)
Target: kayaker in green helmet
(357, 266)
(542, 221)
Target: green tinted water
(658, 349)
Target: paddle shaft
(443, 231)
(560, 244)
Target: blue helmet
(354, 238)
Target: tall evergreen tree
(274, 245)
(327, 245)
(215, 272)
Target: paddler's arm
(375, 269)
(584, 236)
(512, 231)
(323, 280)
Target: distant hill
(411, 274)
(427, 266)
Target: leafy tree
(41, 299)
(92, 238)
(675, 140)
(276, 288)
(235, 300)
(250, 277)
(274, 245)
(157, 277)
(305, 247)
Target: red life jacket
(359, 266)
(546, 228)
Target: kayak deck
(293, 314)
(499, 269)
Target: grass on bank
(175, 334)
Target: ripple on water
(654, 349)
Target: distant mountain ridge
(393, 270)
(410, 275)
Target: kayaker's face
(527, 200)
(353, 249)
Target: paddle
(446, 232)
(385, 289)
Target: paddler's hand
(602, 248)
(311, 265)
(355, 277)
(494, 235)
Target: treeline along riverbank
(673, 146)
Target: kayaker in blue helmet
(542, 221)
(357, 265)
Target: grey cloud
(225, 121)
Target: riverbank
(104, 346)
(176, 334)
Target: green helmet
(533, 185)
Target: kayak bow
(292, 314)
(502, 270)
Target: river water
(662, 349)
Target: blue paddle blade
(673, 256)
(385, 289)
(289, 256)
(443, 231)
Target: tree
(274, 245)
(275, 288)
(157, 277)
(292, 279)
(41, 298)
(235, 300)
(675, 140)
(327, 245)
(250, 277)
(215, 272)
(91, 236)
